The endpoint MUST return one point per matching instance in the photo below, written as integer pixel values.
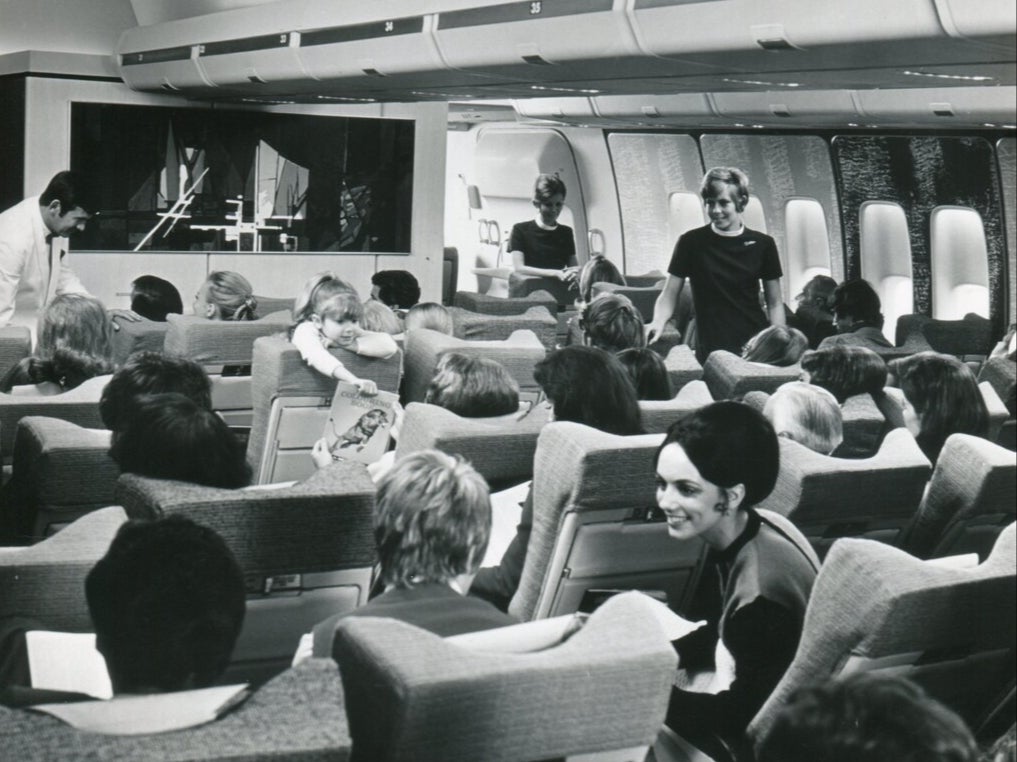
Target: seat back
(15, 346)
(682, 365)
(501, 305)
(138, 336)
(596, 524)
(996, 409)
(658, 415)
(876, 608)
(518, 353)
(522, 285)
(307, 701)
(79, 405)
(830, 497)
(972, 335)
(501, 449)
(269, 305)
(225, 349)
(476, 326)
(972, 495)
(411, 695)
(642, 297)
(291, 402)
(306, 550)
(45, 582)
(60, 471)
(729, 376)
(1001, 373)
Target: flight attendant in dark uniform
(725, 262)
(541, 246)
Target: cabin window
(243, 180)
(886, 259)
(960, 265)
(808, 242)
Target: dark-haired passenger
(714, 465)
(648, 373)
(154, 298)
(845, 370)
(814, 316)
(613, 323)
(151, 373)
(169, 436)
(432, 523)
(583, 384)
(866, 717)
(857, 316)
(397, 289)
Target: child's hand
(320, 454)
(366, 386)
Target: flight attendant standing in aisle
(725, 262)
(541, 246)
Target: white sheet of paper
(674, 626)
(67, 661)
(154, 713)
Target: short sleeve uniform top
(549, 249)
(725, 272)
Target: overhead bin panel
(169, 69)
(255, 60)
(954, 106)
(554, 108)
(990, 21)
(797, 107)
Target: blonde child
(327, 313)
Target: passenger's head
(549, 197)
(472, 387)
(867, 717)
(167, 601)
(155, 298)
(776, 345)
(226, 295)
(430, 315)
(66, 204)
(845, 370)
(729, 182)
(590, 386)
(613, 323)
(818, 293)
(338, 318)
(599, 269)
(856, 305)
(396, 288)
(151, 373)
(169, 436)
(380, 318)
(432, 520)
(75, 341)
(730, 446)
(648, 373)
(942, 398)
(316, 292)
(806, 414)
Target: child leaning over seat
(326, 314)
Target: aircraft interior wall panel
(920, 173)
(649, 168)
(781, 167)
(108, 275)
(1006, 157)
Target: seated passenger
(867, 717)
(613, 323)
(167, 602)
(432, 521)
(941, 397)
(714, 465)
(226, 295)
(806, 414)
(814, 316)
(472, 387)
(327, 313)
(169, 436)
(599, 269)
(429, 315)
(380, 318)
(151, 373)
(397, 289)
(75, 344)
(585, 385)
(857, 316)
(648, 373)
(845, 370)
(154, 298)
(776, 345)
(541, 246)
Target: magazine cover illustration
(358, 426)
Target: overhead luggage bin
(992, 22)
(955, 106)
(161, 68)
(803, 107)
(650, 110)
(245, 63)
(554, 108)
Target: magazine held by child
(359, 426)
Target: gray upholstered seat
(411, 695)
(969, 337)
(138, 336)
(971, 497)
(658, 415)
(15, 345)
(594, 515)
(730, 377)
(682, 365)
(476, 326)
(501, 305)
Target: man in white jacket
(32, 267)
